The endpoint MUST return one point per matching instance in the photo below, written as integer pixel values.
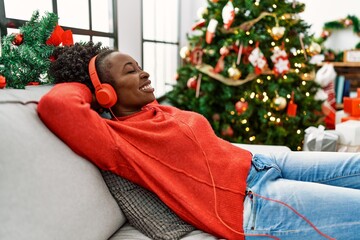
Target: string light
(287, 40)
(303, 83)
(251, 41)
(272, 119)
(265, 97)
(298, 148)
(247, 129)
(288, 96)
(232, 112)
(252, 138)
(252, 95)
(307, 94)
(298, 131)
(268, 78)
(272, 44)
(247, 33)
(285, 77)
(269, 114)
(244, 121)
(278, 120)
(274, 6)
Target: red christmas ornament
(292, 107)
(227, 131)
(2, 81)
(198, 24)
(224, 51)
(18, 39)
(192, 83)
(258, 60)
(210, 31)
(33, 84)
(228, 14)
(241, 107)
(281, 62)
(216, 117)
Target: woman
(208, 182)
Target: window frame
(4, 21)
(177, 43)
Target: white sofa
(49, 192)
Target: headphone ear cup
(106, 96)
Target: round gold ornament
(279, 103)
(184, 52)
(234, 73)
(277, 32)
(314, 49)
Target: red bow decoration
(59, 36)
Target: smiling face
(130, 82)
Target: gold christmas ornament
(201, 12)
(277, 32)
(279, 103)
(314, 49)
(184, 52)
(234, 73)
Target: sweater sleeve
(66, 111)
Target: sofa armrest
(263, 149)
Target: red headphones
(104, 92)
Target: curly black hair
(71, 63)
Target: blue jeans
(320, 189)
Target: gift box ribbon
(318, 134)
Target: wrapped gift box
(319, 139)
(349, 132)
(352, 106)
(347, 118)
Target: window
(160, 28)
(88, 19)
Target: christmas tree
(246, 69)
(25, 57)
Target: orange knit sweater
(171, 152)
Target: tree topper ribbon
(60, 37)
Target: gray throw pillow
(144, 210)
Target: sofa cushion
(144, 210)
(46, 190)
(128, 232)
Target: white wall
(318, 12)
(129, 28)
(129, 24)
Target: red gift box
(344, 119)
(352, 106)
